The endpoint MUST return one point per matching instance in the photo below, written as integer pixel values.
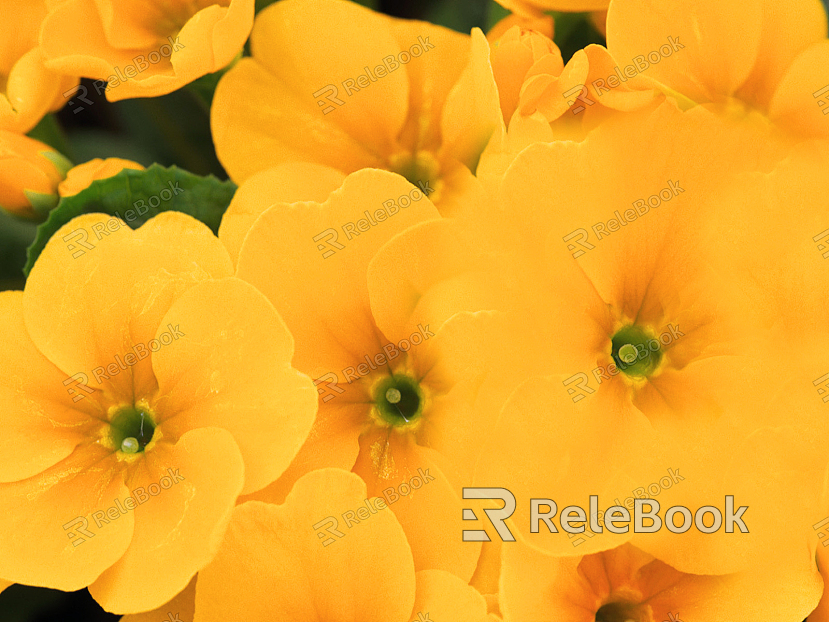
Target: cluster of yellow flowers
(458, 274)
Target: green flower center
(620, 612)
(420, 169)
(131, 429)
(635, 351)
(398, 400)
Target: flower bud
(30, 172)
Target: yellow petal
(80, 324)
(232, 369)
(804, 87)
(721, 42)
(789, 28)
(472, 110)
(42, 422)
(431, 272)
(31, 92)
(52, 549)
(365, 574)
(430, 515)
(291, 246)
(287, 183)
(332, 442)
(445, 597)
(177, 531)
(279, 120)
(85, 37)
(546, 446)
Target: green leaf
(130, 195)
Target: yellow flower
(767, 83)
(543, 100)
(519, 55)
(373, 92)
(30, 172)
(635, 333)
(144, 388)
(304, 573)
(27, 89)
(81, 177)
(401, 396)
(144, 49)
(626, 584)
(759, 61)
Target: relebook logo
(616, 518)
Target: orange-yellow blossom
(335, 84)
(755, 61)
(615, 260)
(764, 79)
(144, 49)
(141, 359)
(626, 584)
(400, 393)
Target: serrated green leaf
(130, 192)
